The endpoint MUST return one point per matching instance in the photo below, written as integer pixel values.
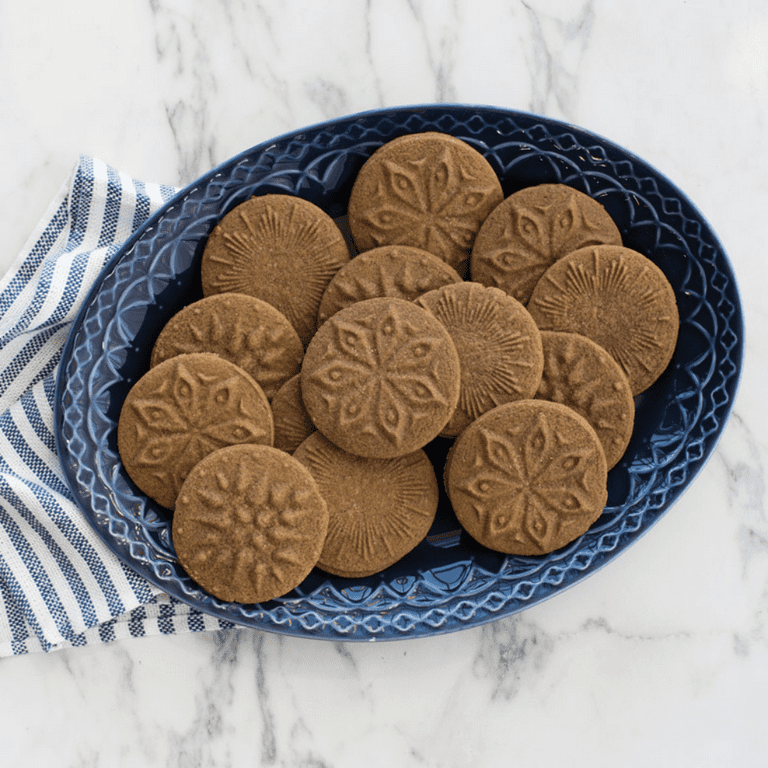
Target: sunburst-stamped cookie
(278, 248)
(428, 190)
(379, 509)
(618, 298)
(498, 343)
(242, 329)
(533, 228)
(250, 523)
(527, 477)
(180, 411)
(396, 271)
(580, 374)
(381, 378)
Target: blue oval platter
(448, 582)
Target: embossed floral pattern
(528, 487)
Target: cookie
(278, 248)
(381, 378)
(246, 331)
(379, 509)
(498, 343)
(292, 422)
(619, 299)
(523, 236)
(180, 411)
(396, 271)
(527, 477)
(580, 374)
(428, 190)
(249, 524)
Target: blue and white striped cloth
(59, 584)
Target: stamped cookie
(527, 477)
(396, 271)
(381, 378)
(523, 236)
(379, 509)
(278, 248)
(292, 422)
(246, 331)
(498, 343)
(180, 411)
(249, 523)
(428, 190)
(580, 374)
(619, 299)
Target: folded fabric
(60, 586)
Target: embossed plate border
(449, 582)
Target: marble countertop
(661, 658)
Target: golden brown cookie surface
(395, 271)
(381, 378)
(249, 523)
(580, 374)
(379, 509)
(292, 422)
(278, 248)
(534, 227)
(180, 411)
(498, 343)
(428, 190)
(619, 299)
(527, 477)
(242, 329)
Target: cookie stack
(285, 415)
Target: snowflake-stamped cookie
(180, 411)
(428, 190)
(527, 477)
(249, 523)
(381, 378)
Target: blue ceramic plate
(448, 582)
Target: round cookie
(242, 329)
(580, 374)
(619, 299)
(397, 271)
(180, 411)
(292, 422)
(428, 190)
(249, 523)
(527, 477)
(381, 378)
(523, 236)
(379, 509)
(278, 248)
(498, 343)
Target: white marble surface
(659, 659)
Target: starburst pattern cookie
(428, 190)
(379, 509)
(527, 477)
(278, 248)
(619, 299)
(498, 343)
(249, 523)
(533, 228)
(246, 331)
(182, 410)
(580, 374)
(381, 378)
(396, 271)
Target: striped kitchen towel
(60, 586)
